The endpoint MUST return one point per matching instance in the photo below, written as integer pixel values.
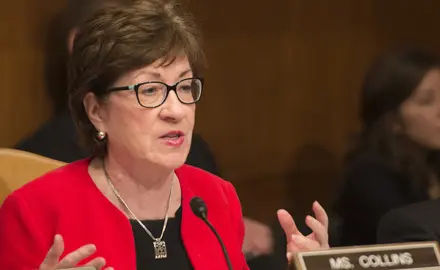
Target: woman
(134, 80)
(396, 160)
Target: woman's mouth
(173, 138)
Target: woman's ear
(95, 111)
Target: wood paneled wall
(24, 102)
(281, 88)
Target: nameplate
(422, 255)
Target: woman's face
(161, 135)
(421, 112)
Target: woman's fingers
(303, 243)
(73, 258)
(289, 256)
(53, 262)
(319, 231)
(287, 222)
(292, 247)
(98, 263)
(296, 241)
(53, 255)
(320, 214)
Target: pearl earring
(101, 135)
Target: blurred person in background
(395, 161)
(57, 139)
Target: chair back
(19, 167)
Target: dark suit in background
(415, 222)
(371, 189)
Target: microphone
(199, 209)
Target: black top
(176, 253)
(371, 189)
(413, 223)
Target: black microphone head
(198, 207)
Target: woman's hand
(53, 262)
(296, 241)
(257, 238)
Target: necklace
(160, 248)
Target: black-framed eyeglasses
(154, 93)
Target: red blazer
(66, 201)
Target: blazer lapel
(200, 243)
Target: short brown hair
(74, 13)
(77, 12)
(119, 39)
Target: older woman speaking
(134, 82)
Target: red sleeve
(237, 218)
(21, 247)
